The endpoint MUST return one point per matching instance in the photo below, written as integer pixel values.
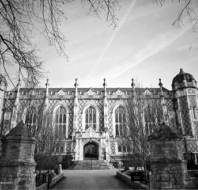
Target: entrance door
(91, 151)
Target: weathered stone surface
(164, 132)
(168, 168)
(17, 165)
(20, 131)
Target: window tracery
(120, 121)
(60, 122)
(90, 118)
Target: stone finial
(133, 89)
(76, 83)
(160, 83)
(161, 86)
(47, 83)
(104, 83)
(47, 91)
(76, 90)
(132, 83)
(181, 71)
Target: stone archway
(91, 151)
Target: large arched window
(90, 118)
(120, 121)
(60, 122)
(31, 119)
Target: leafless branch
(18, 18)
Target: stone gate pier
(17, 165)
(168, 168)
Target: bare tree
(189, 9)
(144, 115)
(39, 124)
(19, 17)
(136, 126)
(46, 140)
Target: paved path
(90, 180)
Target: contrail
(123, 20)
(151, 49)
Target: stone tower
(185, 103)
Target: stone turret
(105, 106)
(75, 118)
(106, 149)
(185, 103)
(75, 111)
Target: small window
(119, 148)
(57, 149)
(124, 148)
(128, 148)
(194, 113)
(62, 149)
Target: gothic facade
(90, 121)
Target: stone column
(168, 168)
(17, 165)
(106, 125)
(75, 120)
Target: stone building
(90, 121)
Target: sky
(144, 46)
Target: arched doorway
(91, 151)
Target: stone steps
(91, 164)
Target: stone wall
(168, 167)
(17, 166)
(54, 181)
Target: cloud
(114, 34)
(153, 47)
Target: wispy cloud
(114, 34)
(153, 47)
